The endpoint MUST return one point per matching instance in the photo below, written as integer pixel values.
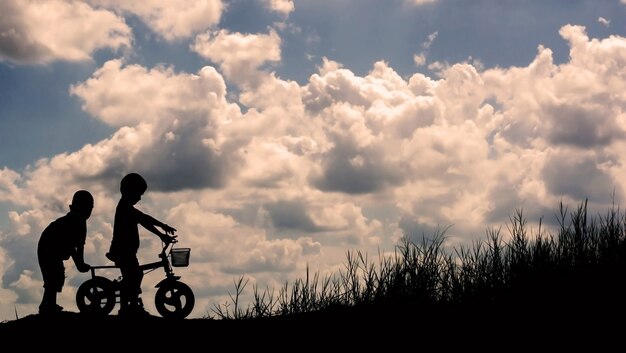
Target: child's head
(82, 203)
(133, 185)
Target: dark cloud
(417, 232)
(23, 251)
(191, 166)
(187, 162)
(519, 132)
(291, 215)
(182, 164)
(109, 177)
(15, 43)
(246, 214)
(503, 200)
(287, 218)
(580, 126)
(17, 48)
(357, 171)
(38, 32)
(579, 178)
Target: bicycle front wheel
(96, 296)
(174, 299)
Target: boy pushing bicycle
(125, 242)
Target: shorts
(53, 273)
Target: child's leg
(53, 273)
(134, 287)
(131, 284)
(49, 299)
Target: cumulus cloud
(8, 184)
(604, 21)
(379, 132)
(73, 31)
(419, 59)
(282, 6)
(127, 95)
(173, 125)
(170, 19)
(579, 177)
(21, 249)
(239, 55)
(431, 39)
(342, 161)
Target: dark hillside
(542, 291)
(569, 325)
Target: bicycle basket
(180, 257)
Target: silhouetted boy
(125, 242)
(62, 239)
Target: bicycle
(173, 299)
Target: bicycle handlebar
(165, 245)
(161, 255)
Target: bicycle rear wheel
(96, 296)
(174, 299)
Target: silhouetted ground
(372, 327)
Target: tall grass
(583, 260)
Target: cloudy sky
(280, 134)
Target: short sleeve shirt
(125, 240)
(62, 236)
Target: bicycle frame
(99, 295)
(147, 267)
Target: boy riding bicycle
(125, 242)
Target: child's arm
(79, 258)
(151, 224)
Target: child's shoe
(50, 309)
(133, 311)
